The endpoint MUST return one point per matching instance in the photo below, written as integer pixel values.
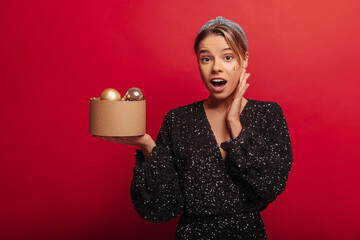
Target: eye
(205, 59)
(228, 58)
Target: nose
(217, 67)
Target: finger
(111, 139)
(242, 86)
(244, 90)
(98, 136)
(242, 74)
(240, 83)
(246, 76)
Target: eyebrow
(206, 51)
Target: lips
(218, 84)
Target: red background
(57, 182)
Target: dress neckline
(211, 132)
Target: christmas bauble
(133, 94)
(110, 94)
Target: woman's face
(219, 69)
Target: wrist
(232, 120)
(144, 141)
(147, 145)
(235, 128)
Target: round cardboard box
(117, 118)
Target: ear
(245, 60)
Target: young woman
(218, 161)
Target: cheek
(235, 75)
(202, 71)
(236, 68)
(235, 78)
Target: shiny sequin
(219, 199)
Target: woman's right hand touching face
(145, 142)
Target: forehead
(213, 43)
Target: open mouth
(218, 85)
(218, 82)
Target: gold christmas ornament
(133, 94)
(110, 94)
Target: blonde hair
(232, 37)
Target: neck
(220, 105)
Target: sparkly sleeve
(155, 190)
(260, 164)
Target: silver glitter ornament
(133, 94)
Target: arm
(155, 190)
(147, 147)
(260, 165)
(145, 142)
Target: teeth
(217, 80)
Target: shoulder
(267, 112)
(183, 116)
(261, 104)
(272, 114)
(185, 110)
(268, 108)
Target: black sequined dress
(185, 173)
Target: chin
(220, 96)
